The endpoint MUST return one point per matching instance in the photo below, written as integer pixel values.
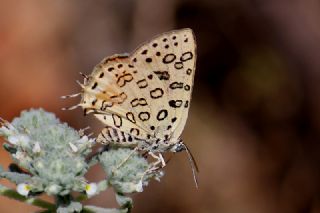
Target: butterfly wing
(148, 93)
(110, 95)
(171, 59)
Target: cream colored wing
(113, 96)
(146, 94)
(171, 58)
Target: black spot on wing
(135, 131)
(119, 99)
(105, 105)
(138, 102)
(94, 85)
(176, 85)
(144, 116)
(117, 120)
(162, 75)
(162, 114)
(123, 97)
(130, 117)
(175, 103)
(94, 102)
(187, 87)
(186, 105)
(156, 93)
(169, 58)
(123, 136)
(115, 135)
(186, 56)
(142, 83)
(178, 65)
(189, 71)
(123, 79)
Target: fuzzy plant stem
(84, 210)
(12, 194)
(63, 200)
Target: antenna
(193, 165)
(84, 75)
(81, 85)
(71, 96)
(70, 108)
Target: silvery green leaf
(124, 201)
(72, 207)
(9, 148)
(132, 175)
(102, 185)
(64, 192)
(53, 189)
(41, 145)
(34, 118)
(16, 177)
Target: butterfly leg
(153, 167)
(81, 131)
(125, 160)
(158, 158)
(6, 124)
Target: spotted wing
(148, 93)
(170, 58)
(113, 95)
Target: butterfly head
(178, 147)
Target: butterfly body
(152, 144)
(143, 98)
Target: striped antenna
(194, 166)
(71, 96)
(71, 108)
(81, 131)
(81, 85)
(84, 75)
(86, 78)
(3, 122)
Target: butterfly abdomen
(113, 135)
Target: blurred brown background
(255, 116)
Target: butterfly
(144, 97)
